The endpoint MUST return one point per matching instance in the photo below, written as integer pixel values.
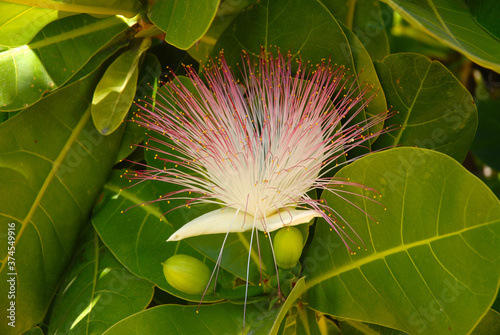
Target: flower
(259, 145)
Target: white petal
(215, 222)
(288, 217)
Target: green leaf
(147, 86)
(53, 57)
(433, 108)
(184, 22)
(486, 14)
(366, 20)
(487, 140)
(312, 34)
(270, 323)
(97, 291)
(127, 8)
(351, 327)
(312, 323)
(137, 237)
(451, 22)
(432, 263)
(20, 23)
(34, 331)
(115, 91)
(227, 12)
(490, 324)
(173, 319)
(53, 163)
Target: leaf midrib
(381, 255)
(48, 180)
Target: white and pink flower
(258, 146)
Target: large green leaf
(127, 8)
(490, 324)
(433, 108)
(53, 163)
(173, 319)
(115, 91)
(312, 33)
(431, 265)
(97, 291)
(451, 22)
(184, 22)
(54, 56)
(20, 23)
(366, 20)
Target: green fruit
(288, 244)
(186, 273)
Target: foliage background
(70, 72)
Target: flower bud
(186, 273)
(288, 244)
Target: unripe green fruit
(288, 244)
(186, 273)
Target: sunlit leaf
(184, 22)
(433, 108)
(127, 8)
(115, 91)
(97, 291)
(20, 23)
(431, 264)
(147, 86)
(53, 56)
(53, 163)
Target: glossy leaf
(53, 57)
(20, 23)
(97, 291)
(430, 265)
(223, 319)
(115, 91)
(147, 85)
(127, 8)
(433, 108)
(184, 22)
(137, 237)
(451, 22)
(366, 20)
(53, 162)
(312, 34)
